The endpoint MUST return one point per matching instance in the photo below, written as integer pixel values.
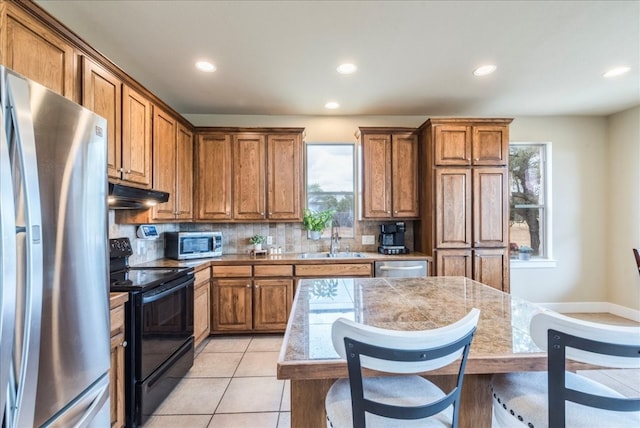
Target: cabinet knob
(248, 285)
(257, 286)
(124, 344)
(395, 212)
(129, 172)
(121, 170)
(262, 214)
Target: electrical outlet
(269, 240)
(368, 239)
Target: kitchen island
(501, 344)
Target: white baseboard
(594, 307)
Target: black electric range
(159, 329)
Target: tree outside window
(528, 198)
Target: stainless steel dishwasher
(400, 268)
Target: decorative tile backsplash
(290, 237)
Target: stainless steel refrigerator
(54, 306)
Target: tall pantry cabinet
(465, 198)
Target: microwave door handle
(18, 97)
(7, 268)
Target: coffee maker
(392, 238)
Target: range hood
(127, 197)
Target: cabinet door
(490, 209)
(37, 53)
(201, 312)
(272, 303)
(490, 145)
(184, 174)
(116, 381)
(404, 158)
(491, 267)
(249, 177)
(231, 309)
(283, 177)
(453, 207)
(452, 145)
(164, 162)
(453, 263)
(213, 177)
(376, 176)
(102, 94)
(136, 138)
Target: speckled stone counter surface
(501, 344)
(287, 258)
(405, 304)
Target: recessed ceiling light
(205, 66)
(332, 105)
(484, 70)
(346, 68)
(616, 71)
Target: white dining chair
(403, 399)
(560, 398)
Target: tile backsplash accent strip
(291, 237)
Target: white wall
(580, 186)
(624, 208)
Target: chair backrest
(423, 340)
(636, 253)
(546, 320)
(402, 352)
(606, 345)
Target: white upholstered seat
(537, 399)
(405, 398)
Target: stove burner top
(144, 278)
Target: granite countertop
(287, 258)
(405, 304)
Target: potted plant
(257, 241)
(524, 252)
(316, 222)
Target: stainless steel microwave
(192, 245)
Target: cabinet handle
(124, 344)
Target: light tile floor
(232, 384)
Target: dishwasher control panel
(400, 268)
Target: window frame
(354, 186)
(547, 259)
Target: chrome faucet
(335, 238)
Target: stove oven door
(164, 324)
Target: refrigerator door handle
(8, 261)
(23, 131)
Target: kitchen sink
(343, 255)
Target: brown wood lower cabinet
(201, 305)
(116, 372)
(486, 265)
(251, 298)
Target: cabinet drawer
(334, 269)
(117, 320)
(231, 271)
(273, 270)
(202, 276)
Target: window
(529, 199)
(331, 183)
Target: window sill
(533, 264)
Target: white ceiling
(413, 57)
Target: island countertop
(501, 343)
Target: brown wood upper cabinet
(249, 176)
(172, 167)
(128, 116)
(36, 52)
(390, 173)
(460, 144)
